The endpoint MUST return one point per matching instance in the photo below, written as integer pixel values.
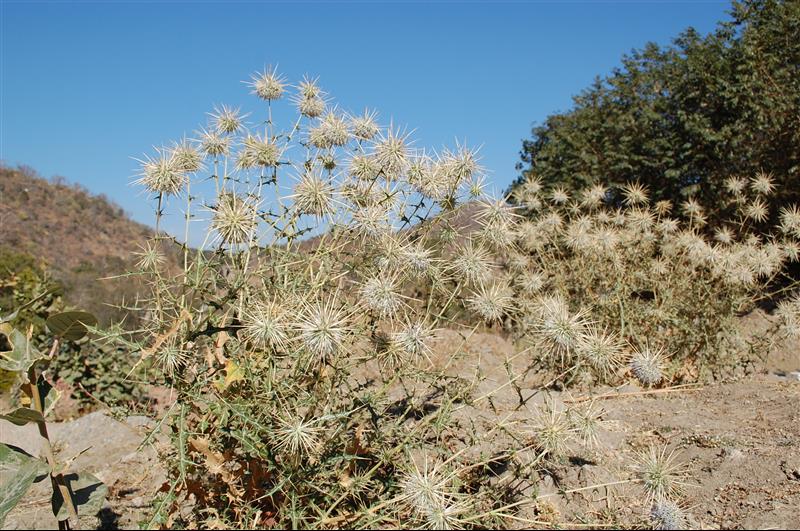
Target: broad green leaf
(88, 495)
(16, 352)
(18, 471)
(70, 326)
(49, 394)
(22, 416)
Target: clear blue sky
(88, 85)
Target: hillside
(78, 236)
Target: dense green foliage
(680, 119)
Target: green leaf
(70, 326)
(16, 352)
(22, 416)
(18, 471)
(88, 495)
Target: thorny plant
(299, 337)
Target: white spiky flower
(594, 195)
(150, 258)
(162, 174)
(735, 185)
(364, 167)
(763, 183)
(647, 365)
(235, 218)
(552, 429)
(297, 436)
(268, 85)
(172, 358)
(331, 132)
(314, 195)
(663, 207)
(214, 144)
(414, 340)
(603, 350)
(417, 259)
(660, 473)
(322, 328)
(472, 263)
(391, 153)
(790, 220)
(757, 211)
(492, 302)
(187, 156)
(266, 325)
(364, 127)
(381, 295)
(667, 515)
(635, 194)
(723, 235)
(226, 119)
(559, 195)
(557, 329)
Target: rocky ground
(739, 441)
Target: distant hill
(79, 236)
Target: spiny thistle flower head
(552, 429)
(364, 167)
(391, 152)
(268, 85)
(757, 211)
(425, 489)
(723, 235)
(586, 422)
(660, 473)
(601, 349)
(322, 328)
(172, 358)
(647, 365)
(330, 132)
(635, 194)
(558, 330)
(381, 295)
(314, 195)
(559, 195)
(187, 157)
(235, 218)
(266, 325)
(735, 185)
(259, 151)
(763, 183)
(663, 207)
(414, 340)
(297, 436)
(492, 302)
(365, 127)
(790, 220)
(473, 263)
(667, 515)
(594, 195)
(150, 258)
(417, 259)
(530, 282)
(162, 174)
(214, 144)
(227, 120)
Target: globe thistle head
(266, 325)
(259, 152)
(413, 340)
(364, 168)
(763, 183)
(314, 195)
(162, 174)
(227, 120)
(587, 422)
(601, 349)
(364, 127)
(559, 195)
(691, 207)
(371, 220)
(235, 218)
(660, 473)
(268, 85)
(668, 226)
(171, 359)
(635, 194)
(757, 211)
(578, 236)
(790, 220)
(461, 165)
(640, 219)
(391, 153)
(311, 107)
(214, 144)
(330, 132)
(594, 196)
(791, 250)
(667, 515)
(150, 258)
(647, 365)
(559, 331)
(723, 235)
(530, 282)
(491, 303)
(496, 212)
(735, 185)
(663, 207)
(417, 260)
(426, 489)
(322, 328)
(298, 437)
(187, 156)
(381, 295)
(552, 429)
(472, 263)
(605, 241)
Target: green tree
(682, 118)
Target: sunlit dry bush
(610, 279)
